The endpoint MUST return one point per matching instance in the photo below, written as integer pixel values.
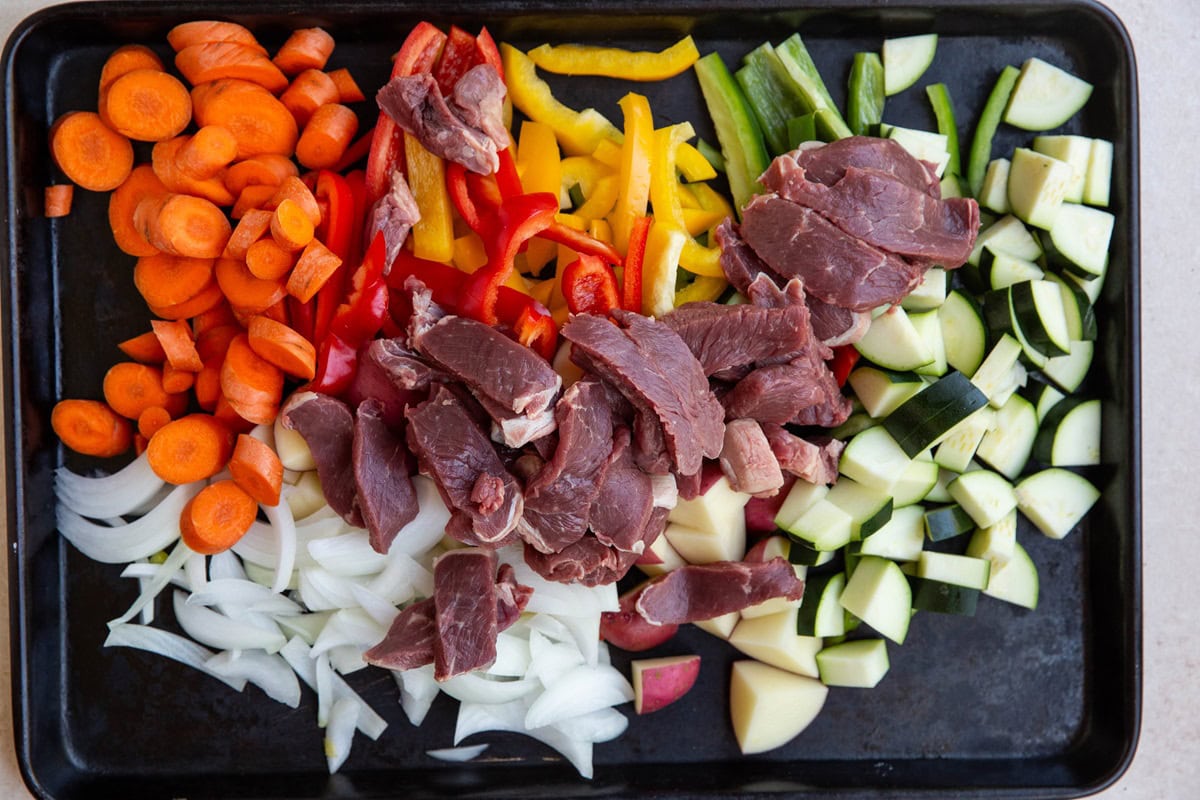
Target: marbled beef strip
(327, 425)
(382, 469)
(703, 591)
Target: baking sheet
(1008, 703)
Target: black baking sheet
(1009, 703)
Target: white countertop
(1166, 37)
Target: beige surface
(1166, 765)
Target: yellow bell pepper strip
(692, 163)
(582, 171)
(697, 220)
(665, 198)
(608, 152)
(433, 234)
(600, 230)
(538, 159)
(578, 131)
(613, 62)
(660, 266)
(711, 200)
(469, 252)
(600, 202)
(702, 289)
(633, 190)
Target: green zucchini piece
(1076, 151)
(861, 663)
(1098, 179)
(1045, 96)
(1017, 581)
(905, 59)
(821, 612)
(878, 593)
(901, 539)
(963, 333)
(1055, 500)
(946, 522)
(983, 494)
(1007, 447)
(926, 417)
(1070, 434)
(942, 597)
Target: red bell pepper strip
(514, 222)
(631, 278)
(443, 281)
(590, 287)
(337, 361)
(535, 328)
(340, 224)
(843, 361)
(460, 54)
(507, 178)
(488, 52)
(419, 53)
(484, 192)
(460, 195)
(356, 179)
(301, 317)
(362, 316)
(581, 242)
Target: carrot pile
(233, 243)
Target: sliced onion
(428, 527)
(296, 653)
(245, 595)
(166, 571)
(418, 689)
(148, 570)
(268, 672)
(602, 725)
(402, 579)
(321, 590)
(146, 616)
(586, 631)
(339, 733)
(579, 691)
(141, 538)
(324, 688)
(477, 718)
(171, 645)
(512, 656)
(280, 517)
(347, 658)
(559, 599)
(380, 610)
(196, 570)
(224, 633)
(472, 688)
(350, 554)
(550, 661)
(465, 753)
(306, 626)
(226, 564)
(550, 627)
(112, 495)
(349, 626)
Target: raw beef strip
(327, 425)
(382, 468)
(703, 591)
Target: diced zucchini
(1044, 397)
(950, 568)
(824, 526)
(1067, 372)
(983, 494)
(956, 450)
(951, 185)
(994, 193)
(861, 663)
(1007, 235)
(915, 483)
(1098, 178)
(993, 373)
(1037, 187)
(1017, 581)
(946, 522)
(928, 416)
(943, 597)
(905, 60)
(901, 539)
(1081, 236)
(1007, 446)
(995, 543)
(928, 325)
(894, 343)
(821, 612)
(1077, 308)
(1037, 307)
(999, 270)
(801, 553)
(1070, 434)
(1055, 500)
(878, 593)
(1016, 381)
(801, 497)
(856, 423)
(881, 391)
(924, 145)
(930, 292)
(1045, 96)
(964, 335)
(874, 458)
(1076, 151)
(869, 508)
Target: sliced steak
(493, 365)
(408, 643)
(834, 326)
(516, 430)
(836, 267)
(828, 163)
(394, 215)
(724, 337)
(739, 262)
(814, 460)
(624, 503)
(327, 425)
(704, 591)
(380, 376)
(587, 561)
(382, 469)
(780, 393)
(454, 451)
(478, 99)
(416, 104)
(511, 597)
(748, 461)
(464, 600)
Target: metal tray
(1006, 704)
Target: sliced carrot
(213, 318)
(91, 427)
(151, 420)
(278, 313)
(251, 227)
(147, 105)
(225, 412)
(164, 279)
(215, 341)
(291, 226)
(254, 197)
(207, 298)
(328, 133)
(210, 150)
(297, 190)
(267, 260)
(140, 443)
(244, 291)
(282, 346)
(359, 149)
(89, 152)
(164, 158)
(217, 517)
(175, 336)
(126, 59)
(256, 468)
(189, 449)
(316, 265)
(209, 30)
(183, 225)
(307, 92)
(130, 388)
(268, 169)
(348, 90)
(141, 183)
(144, 348)
(213, 61)
(306, 48)
(252, 114)
(252, 385)
(178, 380)
(207, 386)
(57, 199)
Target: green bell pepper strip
(772, 95)
(803, 72)
(943, 110)
(985, 130)
(737, 128)
(865, 96)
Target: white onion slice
(268, 672)
(347, 658)
(581, 690)
(339, 733)
(550, 627)
(464, 753)
(306, 626)
(402, 579)
(427, 528)
(472, 688)
(146, 616)
(226, 564)
(512, 656)
(296, 653)
(112, 495)
(280, 517)
(224, 633)
(586, 631)
(148, 570)
(350, 554)
(380, 610)
(141, 538)
(477, 718)
(324, 688)
(418, 689)
(196, 570)
(243, 594)
(602, 725)
(171, 645)
(348, 626)
(166, 571)
(321, 590)
(549, 661)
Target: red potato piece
(658, 682)
(628, 630)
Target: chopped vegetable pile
(425, 377)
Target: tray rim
(19, 602)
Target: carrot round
(144, 348)
(267, 260)
(130, 388)
(57, 199)
(210, 30)
(316, 265)
(252, 385)
(164, 279)
(306, 48)
(150, 421)
(183, 225)
(307, 92)
(328, 133)
(126, 59)
(141, 183)
(147, 105)
(294, 189)
(215, 341)
(210, 150)
(140, 443)
(348, 89)
(164, 158)
(190, 449)
(256, 468)
(89, 152)
(291, 226)
(217, 517)
(175, 336)
(255, 197)
(207, 386)
(90, 427)
(204, 322)
(177, 380)
(251, 227)
(255, 117)
(243, 290)
(212, 61)
(268, 169)
(282, 346)
(231, 417)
